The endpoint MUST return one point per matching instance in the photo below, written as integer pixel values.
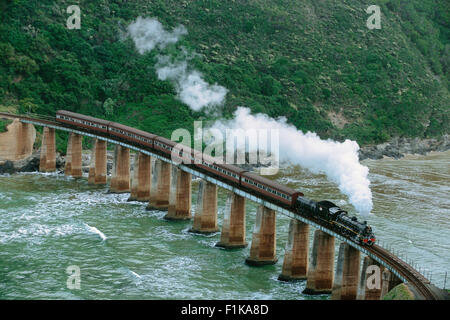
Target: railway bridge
(166, 185)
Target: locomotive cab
(335, 211)
(329, 210)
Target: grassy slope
(400, 292)
(4, 124)
(314, 62)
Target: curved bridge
(349, 282)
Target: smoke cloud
(192, 90)
(147, 33)
(338, 161)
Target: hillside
(314, 62)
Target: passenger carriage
(270, 188)
(324, 210)
(83, 121)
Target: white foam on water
(36, 232)
(135, 274)
(94, 230)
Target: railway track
(413, 277)
(416, 279)
(43, 119)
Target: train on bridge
(326, 212)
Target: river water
(49, 222)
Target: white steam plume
(338, 161)
(148, 34)
(191, 87)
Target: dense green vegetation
(314, 62)
(400, 292)
(4, 124)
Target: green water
(47, 223)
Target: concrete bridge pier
(120, 178)
(160, 186)
(134, 179)
(233, 227)
(17, 142)
(140, 183)
(145, 177)
(385, 282)
(205, 218)
(48, 151)
(320, 271)
(370, 280)
(98, 167)
(295, 264)
(74, 156)
(347, 273)
(388, 282)
(180, 195)
(263, 247)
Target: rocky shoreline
(31, 164)
(397, 148)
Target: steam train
(337, 219)
(325, 212)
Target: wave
(96, 231)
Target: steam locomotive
(327, 212)
(337, 219)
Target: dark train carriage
(128, 133)
(164, 145)
(83, 121)
(182, 154)
(204, 161)
(229, 172)
(270, 188)
(201, 160)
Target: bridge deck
(398, 267)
